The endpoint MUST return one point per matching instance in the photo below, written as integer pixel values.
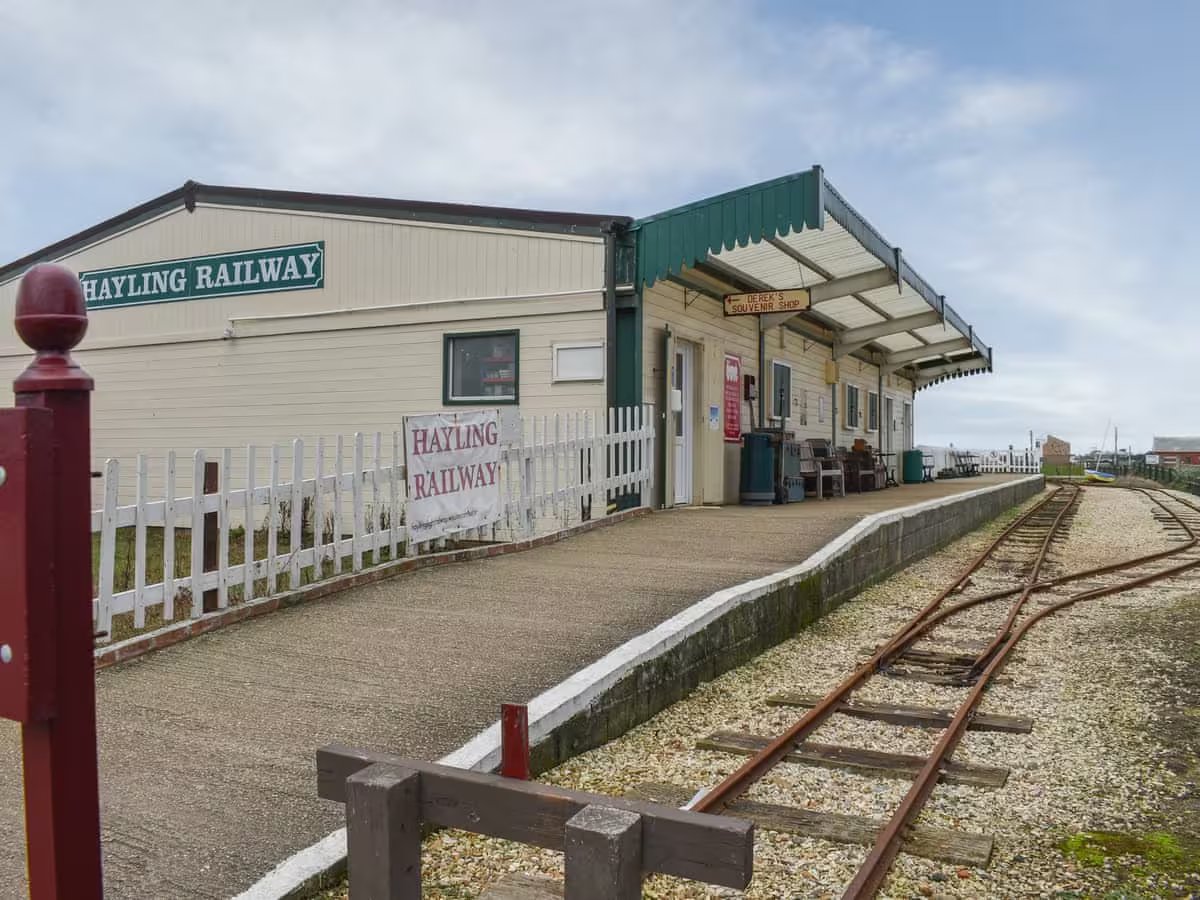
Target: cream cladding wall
(355, 355)
(700, 320)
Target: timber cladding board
(368, 262)
(713, 849)
(700, 320)
(220, 394)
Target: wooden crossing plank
(943, 844)
(919, 716)
(938, 657)
(939, 678)
(875, 762)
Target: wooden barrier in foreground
(609, 843)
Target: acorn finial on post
(51, 318)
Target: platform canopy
(799, 232)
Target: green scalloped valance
(680, 237)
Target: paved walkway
(206, 748)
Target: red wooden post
(62, 806)
(514, 741)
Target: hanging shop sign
(453, 472)
(766, 302)
(297, 267)
(733, 398)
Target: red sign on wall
(733, 398)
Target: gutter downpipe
(610, 313)
(762, 373)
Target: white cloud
(629, 107)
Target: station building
(221, 316)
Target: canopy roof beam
(906, 356)
(869, 333)
(828, 276)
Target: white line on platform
(555, 706)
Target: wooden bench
(829, 467)
(609, 843)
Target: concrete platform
(207, 747)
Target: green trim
(448, 338)
(669, 241)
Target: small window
(853, 411)
(872, 411)
(582, 361)
(781, 390)
(481, 368)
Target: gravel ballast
(1095, 679)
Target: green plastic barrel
(758, 469)
(914, 469)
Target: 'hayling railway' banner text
(453, 472)
(294, 268)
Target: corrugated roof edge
(193, 192)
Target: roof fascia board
(193, 192)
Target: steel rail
(1015, 610)
(929, 623)
(986, 654)
(874, 869)
(738, 782)
(917, 629)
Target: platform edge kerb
(312, 868)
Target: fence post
(603, 850)
(514, 741)
(62, 802)
(211, 486)
(383, 833)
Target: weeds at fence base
(124, 571)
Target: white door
(684, 381)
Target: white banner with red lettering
(453, 472)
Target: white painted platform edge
(555, 706)
(299, 868)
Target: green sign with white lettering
(299, 267)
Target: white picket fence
(351, 494)
(1022, 462)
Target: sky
(1034, 159)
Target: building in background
(224, 316)
(1176, 451)
(1055, 451)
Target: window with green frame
(481, 368)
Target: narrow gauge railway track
(1019, 554)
